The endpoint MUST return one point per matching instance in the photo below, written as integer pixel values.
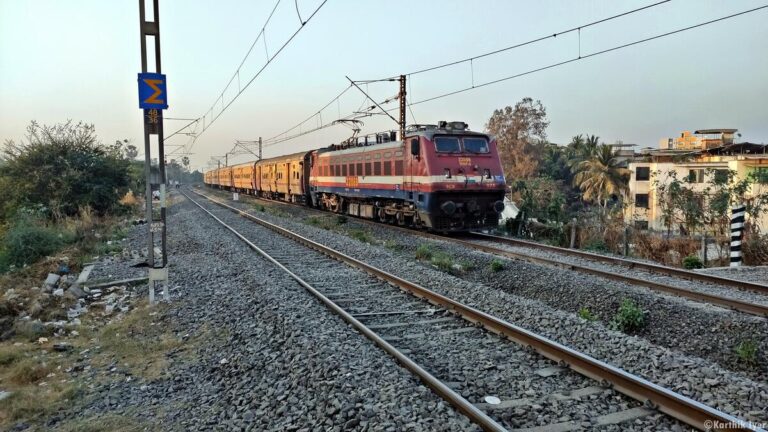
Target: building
(697, 157)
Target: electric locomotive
(441, 177)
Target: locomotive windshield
(447, 145)
(475, 145)
(456, 145)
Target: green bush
(629, 317)
(746, 351)
(27, 242)
(586, 314)
(341, 219)
(692, 262)
(497, 265)
(597, 245)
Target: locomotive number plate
(465, 161)
(352, 182)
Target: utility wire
(237, 72)
(594, 54)
(532, 41)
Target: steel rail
(655, 268)
(675, 405)
(726, 302)
(455, 399)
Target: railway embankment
(688, 346)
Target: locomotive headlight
(449, 207)
(487, 173)
(447, 173)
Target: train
(441, 177)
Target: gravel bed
(686, 347)
(473, 361)
(750, 274)
(279, 361)
(699, 286)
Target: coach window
(377, 168)
(387, 168)
(367, 168)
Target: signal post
(153, 99)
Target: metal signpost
(153, 98)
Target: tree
(62, 169)
(520, 134)
(131, 152)
(600, 177)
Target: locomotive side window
(398, 167)
(377, 168)
(447, 145)
(367, 168)
(360, 169)
(351, 169)
(387, 168)
(476, 145)
(344, 170)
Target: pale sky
(78, 59)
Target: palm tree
(600, 176)
(580, 149)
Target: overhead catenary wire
(589, 55)
(240, 91)
(279, 138)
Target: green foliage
(361, 236)
(692, 262)
(629, 317)
(746, 351)
(601, 176)
(467, 266)
(596, 245)
(341, 219)
(63, 168)
(392, 245)
(262, 209)
(497, 265)
(442, 261)
(586, 314)
(424, 252)
(28, 241)
(540, 198)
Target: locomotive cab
(454, 177)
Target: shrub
(25, 243)
(596, 245)
(692, 262)
(497, 266)
(29, 371)
(260, 208)
(392, 245)
(467, 266)
(586, 314)
(746, 351)
(424, 252)
(629, 317)
(341, 219)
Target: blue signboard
(152, 91)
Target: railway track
(418, 326)
(583, 263)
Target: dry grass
(109, 422)
(666, 251)
(139, 342)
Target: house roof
(714, 131)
